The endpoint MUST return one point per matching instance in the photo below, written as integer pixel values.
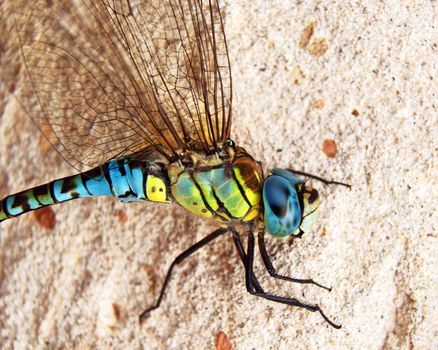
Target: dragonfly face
(290, 207)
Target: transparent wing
(112, 78)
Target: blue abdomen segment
(125, 179)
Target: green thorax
(226, 186)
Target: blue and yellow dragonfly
(137, 96)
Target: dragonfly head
(290, 207)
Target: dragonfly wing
(112, 78)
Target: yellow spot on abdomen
(156, 189)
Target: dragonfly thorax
(225, 185)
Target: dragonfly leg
(177, 261)
(270, 268)
(249, 275)
(252, 283)
(324, 181)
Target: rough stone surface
(369, 82)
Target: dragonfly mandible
(137, 97)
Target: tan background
(377, 245)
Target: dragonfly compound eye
(230, 143)
(282, 211)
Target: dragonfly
(137, 97)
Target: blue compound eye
(282, 211)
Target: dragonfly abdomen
(57, 191)
(128, 180)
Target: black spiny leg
(178, 260)
(270, 268)
(249, 278)
(324, 181)
(238, 243)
